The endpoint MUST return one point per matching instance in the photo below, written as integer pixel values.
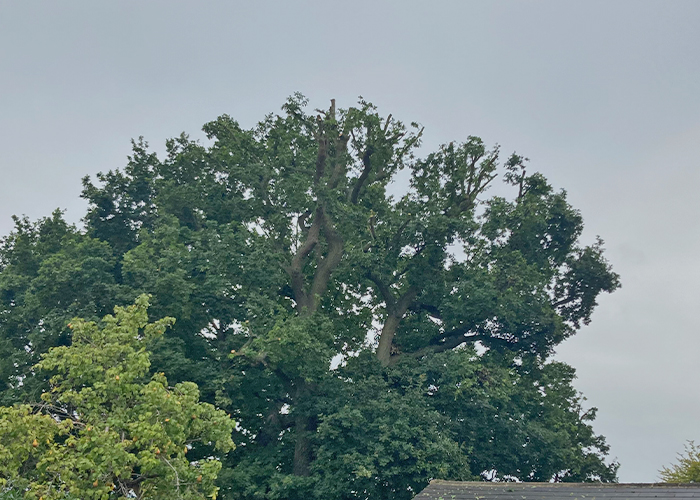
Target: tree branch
(328, 263)
(341, 144)
(391, 324)
(563, 302)
(295, 270)
(430, 309)
(384, 291)
(301, 221)
(399, 233)
(366, 161)
(406, 299)
(447, 342)
(322, 151)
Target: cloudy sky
(602, 96)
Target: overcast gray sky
(602, 96)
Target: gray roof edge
(566, 485)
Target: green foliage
(50, 273)
(518, 417)
(382, 439)
(687, 468)
(107, 430)
(282, 254)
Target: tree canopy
(365, 343)
(102, 430)
(687, 467)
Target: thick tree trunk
(302, 448)
(387, 338)
(331, 148)
(396, 309)
(302, 428)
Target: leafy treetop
(105, 430)
(279, 249)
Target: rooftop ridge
(564, 485)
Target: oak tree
(364, 342)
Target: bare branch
(177, 476)
(563, 302)
(386, 123)
(366, 161)
(295, 270)
(329, 262)
(341, 144)
(301, 221)
(384, 291)
(448, 342)
(321, 157)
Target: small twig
(177, 476)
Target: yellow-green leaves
(105, 430)
(24, 437)
(687, 468)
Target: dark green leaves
(337, 324)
